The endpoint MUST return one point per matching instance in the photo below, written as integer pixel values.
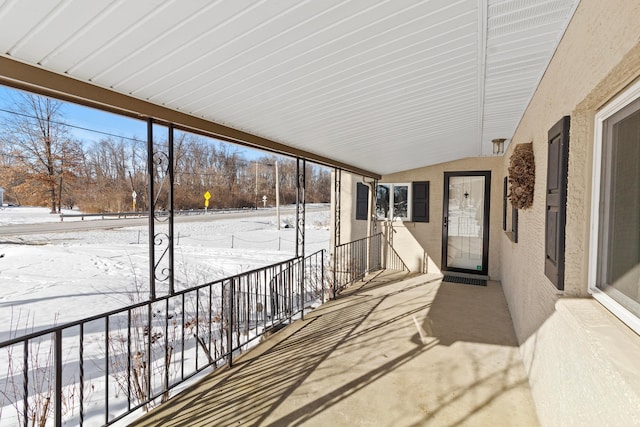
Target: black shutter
(556, 204)
(504, 204)
(514, 225)
(362, 201)
(420, 201)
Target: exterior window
(401, 201)
(614, 275)
(383, 200)
(392, 201)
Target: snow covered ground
(44, 276)
(11, 215)
(55, 278)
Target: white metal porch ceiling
(385, 86)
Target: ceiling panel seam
(156, 41)
(324, 58)
(558, 38)
(482, 68)
(184, 65)
(193, 41)
(235, 71)
(322, 92)
(319, 70)
(367, 95)
(120, 36)
(50, 16)
(404, 109)
(157, 94)
(84, 29)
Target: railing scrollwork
(161, 212)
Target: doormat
(464, 280)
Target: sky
(89, 124)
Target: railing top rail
(78, 215)
(75, 323)
(145, 212)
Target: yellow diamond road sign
(207, 195)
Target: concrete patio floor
(394, 350)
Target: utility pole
(277, 196)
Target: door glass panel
(465, 222)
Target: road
(101, 224)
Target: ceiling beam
(38, 80)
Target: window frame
(632, 94)
(391, 186)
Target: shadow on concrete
(395, 350)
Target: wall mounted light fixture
(498, 146)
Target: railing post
(25, 383)
(336, 229)
(149, 390)
(230, 306)
(58, 367)
(337, 176)
(151, 208)
(166, 345)
(302, 277)
(170, 167)
(322, 276)
(335, 272)
(106, 370)
(300, 206)
(129, 359)
(81, 368)
(182, 339)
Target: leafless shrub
(40, 378)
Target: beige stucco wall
(414, 240)
(576, 376)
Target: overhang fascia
(34, 79)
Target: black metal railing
(353, 260)
(107, 366)
(145, 214)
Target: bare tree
(42, 164)
(41, 143)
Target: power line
(73, 126)
(242, 161)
